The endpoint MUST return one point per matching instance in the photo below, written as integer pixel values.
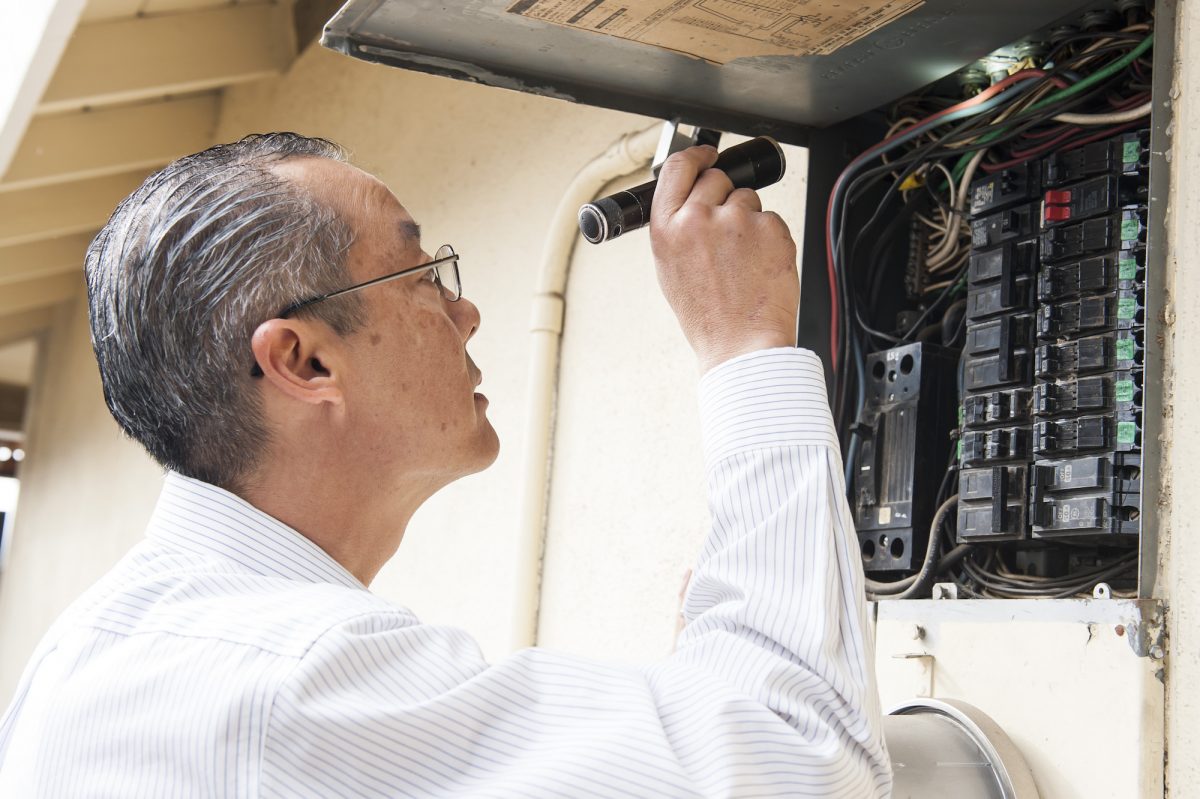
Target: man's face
(410, 386)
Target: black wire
(1089, 35)
(1068, 587)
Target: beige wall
(86, 493)
(1180, 581)
(483, 168)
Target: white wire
(946, 252)
(899, 123)
(952, 265)
(1115, 118)
(949, 182)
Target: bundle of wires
(1091, 86)
(984, 574)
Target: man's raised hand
(726, 267)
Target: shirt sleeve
(776, 607)
(770, 692)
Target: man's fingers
(712, 188)
(745, 198)
(676, 178)
(687, 578)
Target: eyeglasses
(445, 274)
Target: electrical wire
(1115, 118)
(1049, 588)
(910, 587)
(986, 100)
(1091, 80)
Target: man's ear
(297, 358)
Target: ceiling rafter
(45, 257)
(118, 139)
(141, 58)
(18, 326)
(39, 292)
(61, 209)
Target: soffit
(138, 85)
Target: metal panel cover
(783, 96)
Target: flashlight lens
(590, 224)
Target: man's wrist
(717, 353)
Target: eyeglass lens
(447, 273)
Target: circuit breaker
(1051, 421)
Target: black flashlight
(750, 165)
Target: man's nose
(466, 316)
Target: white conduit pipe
(628, 154)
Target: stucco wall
(1179, 584)
(86, 493)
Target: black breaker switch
(1098, 275)
(1073, 435)
(1005, 296)
(1118, 391)
(1018, 184)
(1098, 494)
(994, 371)
(1124, 230)
(997, 407)
(990, 446)
(991, 504)
(1010, 260)
(1089, 315)
(1125, 155)
(1119, 349)
(1015, 223)
(1006, 334)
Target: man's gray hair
(187, 267)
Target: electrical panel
(1050, 442)
(1003, 222)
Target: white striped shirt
(228, 655)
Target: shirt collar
(201, 518)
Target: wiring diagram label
(723, 30)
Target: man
(268, 325)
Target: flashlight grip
(749, 165)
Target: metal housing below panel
(781, 96)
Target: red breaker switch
(1057, 206)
